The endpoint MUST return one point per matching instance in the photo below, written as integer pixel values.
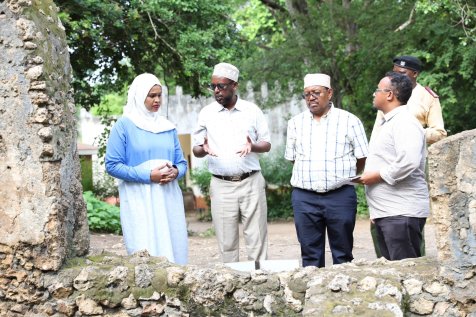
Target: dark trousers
(373, 233)
(400, 237)
(314, 213)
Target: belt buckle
(235, 178)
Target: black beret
(409, 62)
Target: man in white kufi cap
(317, 80)
(226, 70)
(328, 147)
(232, 132)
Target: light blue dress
(152, 215)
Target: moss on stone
(298, 285)
(74, 263)
(181, 292)
(140, 292)
(159, 281)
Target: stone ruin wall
(43, 221)
(452, 165)
(42, 215)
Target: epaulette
(431, 92)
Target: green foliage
(108, 122)
(105, 186)
(201, 177)
(277, 172)
(355, 42)
(275, 168)
(277, 42)
(113, 41)
(86, 172)
(102, 217)
(445, 38)
(257, 23)
(111, 104)
(362, 207)
(279, 203)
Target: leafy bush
(102, 217)
(201, 177)
(105, 186)
(362, 207)
(279, 203)
(277, 172)
(276, 169)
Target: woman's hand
(163, 174)
(169, 175)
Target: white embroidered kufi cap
(226, 70)
(317, 80)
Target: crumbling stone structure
(44, 231)
(452, 164)
(42, 215)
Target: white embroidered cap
(317, 80)
(226, 70)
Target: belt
(235, 178)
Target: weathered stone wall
(452, 165)
(42, 213)
(140, 285)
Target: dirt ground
(283, 244)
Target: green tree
(445, 38)
(111, 41)
(355, 41)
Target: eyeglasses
(212, 87)
(315, 94)
(384, 90)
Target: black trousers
(314, 213)
(400, 237)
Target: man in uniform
(424, 104)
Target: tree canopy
(278, 42)
(111, 41)
(355, 42)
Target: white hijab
(135, 108)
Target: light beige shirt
(226, 131)
(427, 109)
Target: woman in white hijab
(144, 153)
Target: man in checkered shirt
(327, 146)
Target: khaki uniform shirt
(424, 104)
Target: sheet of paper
(349, 181)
